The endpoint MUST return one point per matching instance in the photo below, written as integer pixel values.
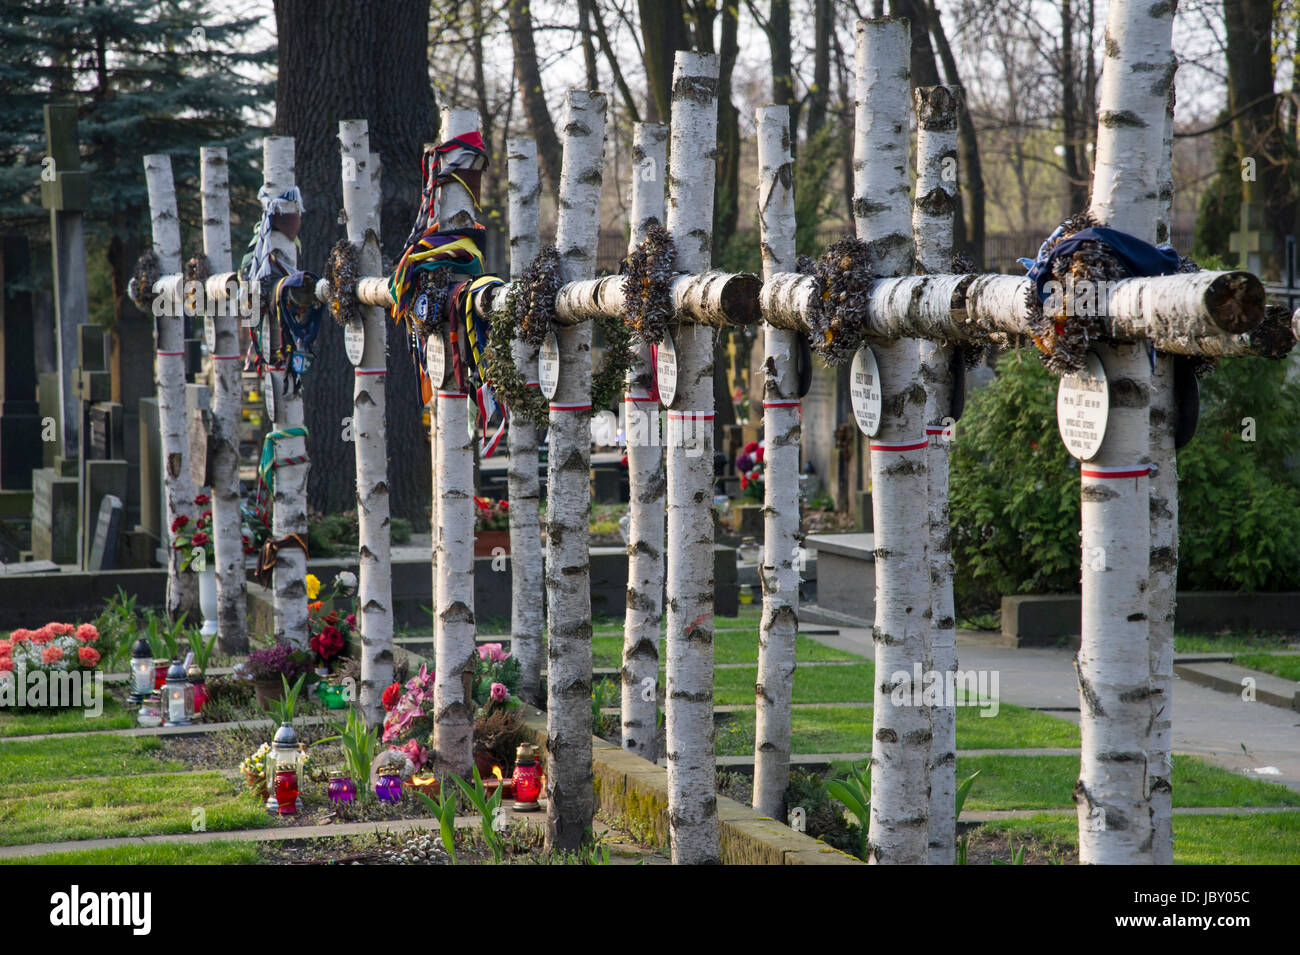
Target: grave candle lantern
(389, 787)
(141, 670)
(283, 758)
(527, 778)
(198, 685)
(178, 696)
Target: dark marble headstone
(20, 419)
(103, 547)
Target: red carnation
(328, 643)
(391, 696)
(89, 656)
(199, 539)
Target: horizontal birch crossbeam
(1193, 313)
(719, 299)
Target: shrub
(1014, 490)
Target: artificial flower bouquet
(194, 538)
(54, 648)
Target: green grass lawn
(1046, 782)
(1287, 667)
(1272, 839)
(847, 729)
(729, 646)
(44, 760)
(1242, 642)
(138, 806)
(838, 684)
(115, 716)
(223, 852)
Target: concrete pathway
(1217, 726)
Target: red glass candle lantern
(286, 790)
(527, 778)
(199, 682)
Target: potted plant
(271, 667)
(56, 648)
(198, 553)
(491, 526)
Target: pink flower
(6, 665)
(20, 636)
(499, 692)
(89, 656)
(414, 752)
(492, 652)
(42, 635)
(87, 633)
(60, 629)
(6, 648)
(51, 654)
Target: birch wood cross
(168, 308)
(227, 404)
(369, 398)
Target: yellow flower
(313, 586)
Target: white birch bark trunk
(569, 785)
(932, 212)
(781, 430)
(227, 400)
(646, 482)
(1163, 560)
(375, 577)
(178, 489)
(1113, 662)
(900, 751)
(453, 728)
(289, 515)
(526, 609)
(692, 776)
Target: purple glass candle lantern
(389, 787)
(342, 789)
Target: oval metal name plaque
(1082, 407)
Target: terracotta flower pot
(268, 691)
(487, 541)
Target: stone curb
(1227, 677)
(628, 786)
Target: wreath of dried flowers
(341, 274)
(147, 272)
(499, 366)
(844, 278)
(647, 285)
(533, 306)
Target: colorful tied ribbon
(269, 462)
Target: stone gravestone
(65, 192)
(103, 547)
(103, 469)
(20, 420)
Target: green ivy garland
(610, 382)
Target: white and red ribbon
(1114, 470)
(910, 446)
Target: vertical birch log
(453, 728)
(178, 489)
(645, 475)
(1113, 663)
(1163, 570)
(900, 750)
(289, 515)
(227, 401)
(774, 689)
(526, 609)
(568, 497)
(932, 212)
(692, 776)
(370, 439)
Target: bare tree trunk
(663, 32)
(529, 77)
(568, 572)
(178, 489)
(692, 795)
(526, 611)
(968, 229)
(819, 95)
(646, 487)
(936, 197)
(780, 573)
(900, 750)
(453, 726)
(227, 400)
(375, 582)
(289, 516)
(1113, 662)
